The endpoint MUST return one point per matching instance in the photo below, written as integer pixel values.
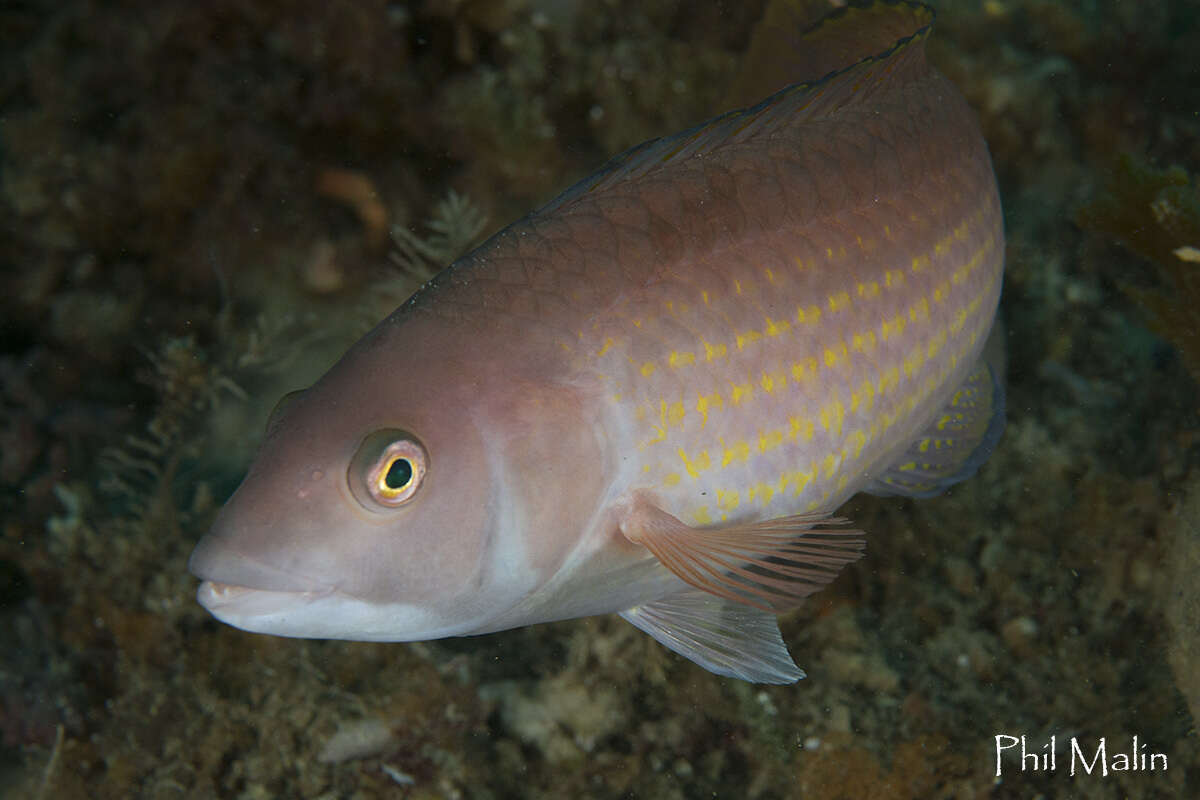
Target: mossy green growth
(1156, 213)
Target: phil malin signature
(1084, 757)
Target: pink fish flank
(649, 397)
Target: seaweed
(1156, 214)
(191, 382)
(455, 225)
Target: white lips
(322, 614)
(236, 604)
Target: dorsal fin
(896, 59)
(789, 47)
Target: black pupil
(398, 474)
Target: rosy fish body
(648, 397)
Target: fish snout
(217, 562)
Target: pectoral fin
(770, 565)
(727, 638)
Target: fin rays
(955, 445)
(770, 565)
(724, 637)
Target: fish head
(402, 497)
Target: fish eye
(398, 477)
(387, 470)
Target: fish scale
(837, 314)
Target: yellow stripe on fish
(909, 316)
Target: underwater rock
(1182, 595)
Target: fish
(651, 396)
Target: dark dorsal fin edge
(805, 99)
(792, 104)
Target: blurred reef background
(203, 204)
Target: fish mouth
(237, 588)
(216, 561)
(327, 613)
(229, 601)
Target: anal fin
(724, 637)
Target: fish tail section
(954, 446)
(727, 638)
(770, 565)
